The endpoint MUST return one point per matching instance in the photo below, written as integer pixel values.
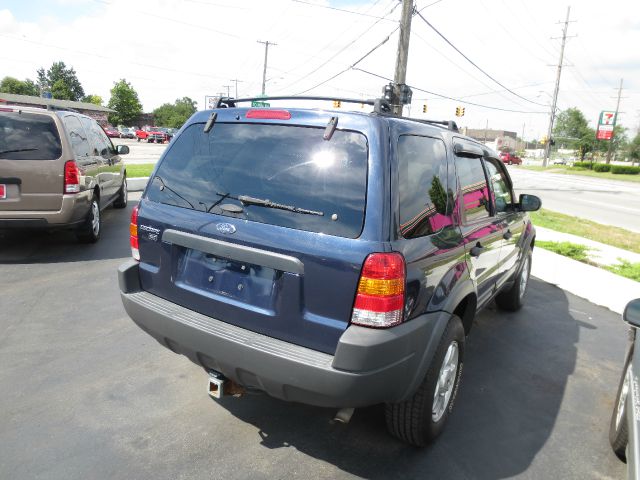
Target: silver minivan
(58, 169)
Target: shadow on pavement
(41, 246)
(514, 379)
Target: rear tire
(89, 232)
(121, 201)
(513, 299)
(618, 430)
(421, 418)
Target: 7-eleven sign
(606, 122)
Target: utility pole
(547, 153)
(228, 91)
(264, 71)
(615, 120)
(400, 75)
(524, 144)
(236, 82)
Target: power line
(474, 64)
(449, 97)
(342, 50)
(353, 64)
(343, 10)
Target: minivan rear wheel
(89, 232)
(618, 430)
(421, 418)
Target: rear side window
(425, 201)
(78, 136)
(28, 136)
(475, 193)
(289, 165)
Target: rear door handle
(477, 250)
(507, 235)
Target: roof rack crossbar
(231, 102)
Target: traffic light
(459, 111)
(424, 108)
(336, 104)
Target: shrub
(582, 164)
(601, 167)
(625, 169)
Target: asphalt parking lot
(86, 394)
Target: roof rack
(380, 105)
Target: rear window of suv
(289, 165)
(28, 136)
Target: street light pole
(400, 75)
(264, 70)
(615, 120)
(552, 116)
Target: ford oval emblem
(225, 228)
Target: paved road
(141, 152)
(604, 201)
(86, 394)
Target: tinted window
(28, 136)
(78, 137)
(286, 164)
(473, 184)
(100, 143)
(499, 187)
(425, 201)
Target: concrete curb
(137, 184)
(591, 283)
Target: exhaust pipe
(219, 385)
(344, 415)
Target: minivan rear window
(291, 166)
(28, 136)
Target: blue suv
(327, 257)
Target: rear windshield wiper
(246, 200)
(164, 186)
(19, 150)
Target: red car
(112, 132)
(152, 135)
(510, 158)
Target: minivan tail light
(133, 234)
(379, 300)
(71, 177)
(269, 114)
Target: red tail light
(269, 114)
(133, 234)
(71, 177)
(380, 299)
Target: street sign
(210, 102)
(606, 122)
(260, 104)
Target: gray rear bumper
(370, 366)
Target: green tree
(572, 130)
(19, 87)
(61, 81)
(633, 149)
(174, 115)
(124, 100)
(95, 99)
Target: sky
(168, 49)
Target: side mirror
(631, 313)
(122, 149)
(529, 203)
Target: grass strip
(614, 236)
(140, 170)
(568, 249)
(580, 253)
(566, 170)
